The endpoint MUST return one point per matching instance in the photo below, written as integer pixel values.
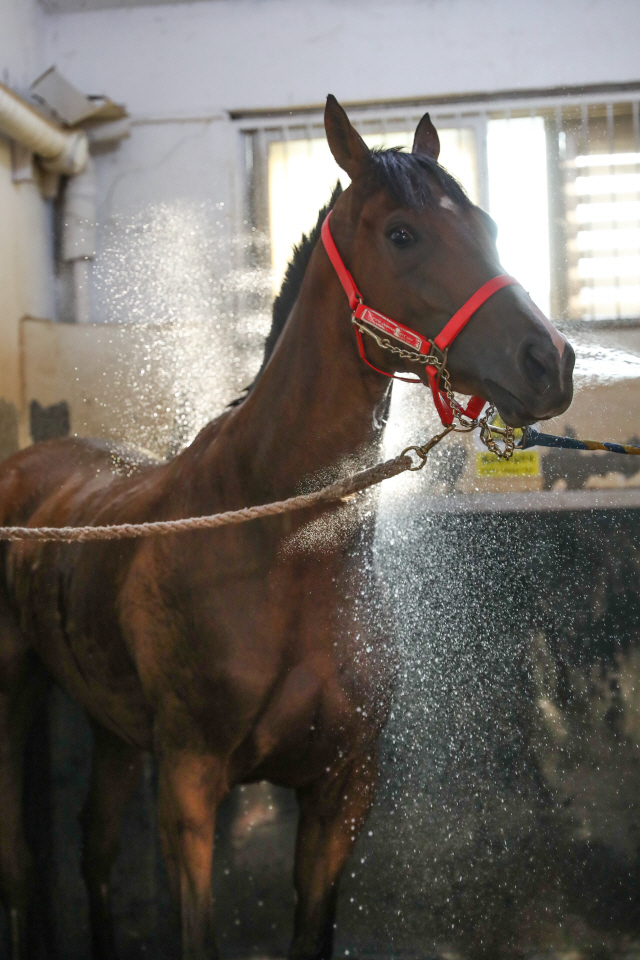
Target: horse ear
(347, 146)
(426, 139)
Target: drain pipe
(79, 222)
(80, 218)
(60, 151)
(66, 152)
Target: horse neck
(314, 404)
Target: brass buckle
(419, 453)
(423, 451)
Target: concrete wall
(26, 288)
(203, 58)
(20, 46)
(26, 274)
(180, 69)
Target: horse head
(418, 249)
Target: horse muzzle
(542, 387)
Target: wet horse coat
(253, 652)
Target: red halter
(410, 337)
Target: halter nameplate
(385, 325)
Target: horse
(261, 651)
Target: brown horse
(260, 651)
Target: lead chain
(486, 435)
(484, 423)
(425, 358)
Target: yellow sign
(523, 463)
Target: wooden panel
(104, 374)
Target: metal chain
(465, 424)
(398, 351)
(484, 423)
(486, 435)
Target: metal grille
(599, 155)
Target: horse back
(35, 475)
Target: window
(559, 173)
(600, 156)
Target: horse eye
(400, 237)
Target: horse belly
(334, 690)
(112, 699)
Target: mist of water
(198, 314)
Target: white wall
(205, 57)
(26, 280)
(20, 47)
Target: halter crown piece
(433, 353)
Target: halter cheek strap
(411, 338)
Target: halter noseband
(422, 350)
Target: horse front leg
(332, 813)
(191, 788)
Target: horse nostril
(534, 365)
(536, 368)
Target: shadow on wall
(49, 423)
(45, 423)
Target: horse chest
(280, 672)
(336, 676)
(321, 711)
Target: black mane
(403, 176)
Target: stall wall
(26, 288)
(26, 273)
(200, 59)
